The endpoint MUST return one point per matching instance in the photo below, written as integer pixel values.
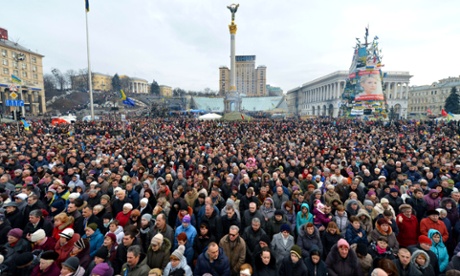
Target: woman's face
(107, 242)
(356, 225)
(310, 230)
(369, 85)
(112, 227)
(265, 257)
(436, 238)
(315, 259)
(332, 230)
(420, 260)
(382, 244)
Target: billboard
(364, 95)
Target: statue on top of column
(233, 8)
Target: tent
(210, 116)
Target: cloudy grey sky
(182, 43)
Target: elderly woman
(61, 222)
(124, 216)
(48, 265)
(382, 228)
(267, 209)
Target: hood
(415, 255)
(431, 232)
(305, 205)
(445, 200)
(433, 191)
(363, 212)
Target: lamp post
(20, 57)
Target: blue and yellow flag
(122, 94)
(15, 79)
(87, 5)
(26, 124)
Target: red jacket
(408, 230)
(123, 219)
(65, 249)
(427, 224)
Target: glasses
(233, 235)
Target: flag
(443, 113)
(15, 79)
(242, 117)
(450, 116)
(26, 124)
(87, 5)
(122, 95)
(129, 102)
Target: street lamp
(20, 57)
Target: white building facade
(323, 96)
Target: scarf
(380, 250)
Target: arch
(313, 110)
(324, 110)
(331, 110)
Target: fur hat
(404, 206)
(432, 212)
(49, 255)
(102, 253)
(23, 259)
(179, 252)
(37, 235)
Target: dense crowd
(180, 196)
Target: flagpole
(90, 85)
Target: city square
(244, 156)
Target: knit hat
(102, 253)
(81, 243)
(367, 202)
(182, 237)
(37, 235)
(393, 190)
(15, 232)
(157, 239)
(92, 226)
(186, 219)
(49, 255)
(73, 263)
(67, 233)
(21, 196)
(361, 249)
(432, 212)
(424, 239)
(112, 236)
(101, 269)
(384, 200)
(285, 227)
(147, 217)
(279, 213)
(371, 193)
(342, 242)
(23, 259)
(295, 249)
(179, 252)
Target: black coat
(15, 218)
(291, 269)
(42, 224)
(319, 269)
(5, 227)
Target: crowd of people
(180, 196)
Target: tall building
(26, 65)
(425, 100)
(250, 81)
(323, 96)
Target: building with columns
(425, 98)
(28, 67)
(139, 86)
(323, 96)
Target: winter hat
(73, 263)
(186, 219)
(101, 269)
(21, 196)
(157, 239)
(67, 233)
(367, 202)
(49, 255)
(81, 243)
(371, 193)
(343, 242)
(92, 226)
(23, 259)
(37, 235)
(404, 206)
(230, 202)
(106, 197)
(179, 252)
(265, 238)
(361, 249)
(393, 190)
(147, 217)
(285, 227)
(381, 221)
(432, 212)
(279, 213)
(15, 232)
(424, 239)
(112, 236)
(384, 200)
(74, 195)
(102, 253)
(295, 249)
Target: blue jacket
(220, 267)
(95, 242)
(300, 219)
(351, 235)
(190, 231)
(440, 250)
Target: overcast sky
(182, 43)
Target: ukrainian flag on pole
(87, 5)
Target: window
(15, 72)
(13, 54)
(34, 68)
(34, 60)
(5, 62)
(4, 52)
(15, 64)
(36, 76)
(24, 74)
(6, 71)
(24, 66)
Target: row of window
(6, 71)
(15, 65)
(14, 55)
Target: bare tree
(61, 80)
(70, 75)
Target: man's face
(233, 234)
(131, 259)
(87, 213)
(127, 240)
(213, 252)
(252, 207)
(255, 226)
(71, 208)
(404, 257)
